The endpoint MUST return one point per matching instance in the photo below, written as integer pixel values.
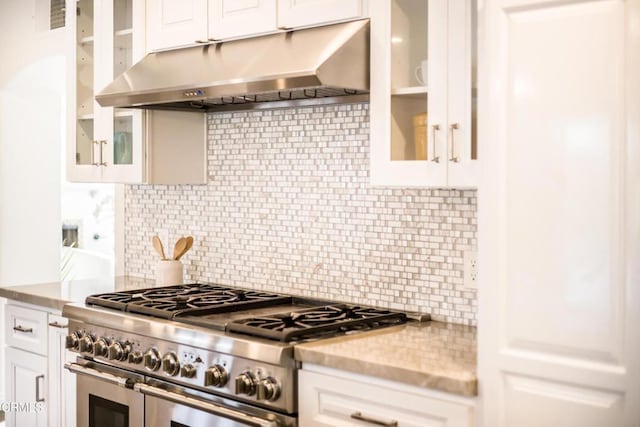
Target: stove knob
(188, 371)
(117, 351)
(86, 344)
(73, 341)
(245, 384)
(215, 376)
(268, 389)
(152, 359)
(170, 364)
(135, 357)
(101, 347)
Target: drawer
(26, 329)
(327, 400)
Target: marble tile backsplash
(288, 208)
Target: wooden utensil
(189, 244)
(157, 244)
(180, 248)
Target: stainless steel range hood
(315, 65)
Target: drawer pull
(38, 378)
(20, 328)
(358, 416)
(57, 325)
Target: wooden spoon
(180, 248)
(189, 244)
(157, 244)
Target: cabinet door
(82, 145)
(26, 386)
(235, 18)
(461, 127)
(300, 13)
(175, 23)
(62, 386)
(408, 121)
(559, 218)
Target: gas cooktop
(259, 314)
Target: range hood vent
(312, 66)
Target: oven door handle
(110, 378)
(204, 406)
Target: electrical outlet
(471, 270)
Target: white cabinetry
(328, 397)
(34, 359)
(174, 23)
(110, 144)
(26, 385)
(302, 13)
(559, 216)
(423, 123)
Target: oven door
(105, 396)
(167, 405)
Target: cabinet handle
(102, 142)
(202, 41)
(38, 378)
(57, 325)
(93, 155)
(453, 127)
(434, 129)
(358, 416)
(20, 328)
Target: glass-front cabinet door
(421, 79)
(107, 143)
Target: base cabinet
(26, 389)
(330, 397)
(41, 391)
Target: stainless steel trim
(270, 352)
(204, 406)
(38, 378)
(453, 127)
(57, 325)
(104, 376)
(20, 328)
(434, 129)
(358, 416)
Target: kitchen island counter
(435, 355)
(56, 294)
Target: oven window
(105, 413)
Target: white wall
(32, 85)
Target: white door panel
(559, 240)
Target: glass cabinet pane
(122, 139)
(409, 79)
(84, 86)
(122, 37)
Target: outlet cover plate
(471, 270)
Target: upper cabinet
(111, 144)
(178, 23)
(423, 126)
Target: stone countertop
(57, 294)
(435, 355)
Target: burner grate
(196, 299)
(316, 322)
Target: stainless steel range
(199, 354)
